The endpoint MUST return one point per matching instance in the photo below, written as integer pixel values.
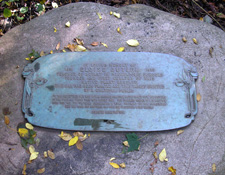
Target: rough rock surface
(191, 153)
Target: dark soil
(195, 9)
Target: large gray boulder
(191, 153)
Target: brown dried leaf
(123, 165)
(7, 121)
(24, 169)
(184, 39)
(6, 111)
(156, 143)
(40, 171)
(211, 51)
(57, 46)
(65, 136)
(51, 154)
(78, 134)
(79, 145)
(198, 97)
(71, 47)
(155, 155)
(94, 43)
(79, 41)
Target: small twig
(209, 15)
(12, 128)
(143, 136)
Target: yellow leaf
(45, 154)
(118, 30)
(67, 24)
(99, 15)
(31, 149)
(110, 12)
(125, 143)
(172, 170)
(80, 48)
(122, 165)
(132, 42)
(51, 52)
(40, 171)
(29, 126)
(114, 165)
(195, 40)
(79, 41)
(64, 50)
(51, 154)
(55, 30)
(88, 25)
(54, 5)
(198, 97)
(57, 46)
(116, 14)
(104, 45)
(24, 169)
(79, 145)
(184, 39)
(214, 167)
(155, 155)
(27, 59)
(89, 135)
(201, 19)
(180, 132)
(121, 49)
(65, 136)
(34, 155)
(162, 155)
(42, 54)
(166, 160)
(23, 132)
(113, 158)
(73, 141)
(7, 121)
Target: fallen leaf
(180, 132)
(45, 154)
(104, 45)
(64, 50)
(220, 15)
(162, 155)
(156, 143)
(184, 39)
(79, 145)
(172, 170)
(33, 153)
(27, 59)
(29, 126)
(7, 120)
(40, 171)
(6, 111)
(71, 47)
(73, 141)
(79, 41)
(54, 5)
(116, 14)
(121, 49)
(88, 25)
(55, 30)
(166, 160)
(94, 43)
(67, 24)
(23, 132)
(201, 19)
(152, 169)
(113, 158)
(198, 97)
(211, 51)
(57, 46)
(110, 12)
(42, 54)
(214, 167)
(80, 48)
(37, 141)
(118, 30)
(155, 155)
(65, 136)
(195, 40)
(99, 15)
(122, 165)
(203, 79)
(125, 143)
(132, 42)
(89, 135)
(51, 154)
(24, 169)
(51, 52)
(114, 165)
(133, 142)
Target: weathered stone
(192, 152)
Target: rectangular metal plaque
(110, 91)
